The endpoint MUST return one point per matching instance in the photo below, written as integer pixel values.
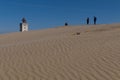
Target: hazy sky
(52, 13)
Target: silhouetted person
(95, 19)
(24, 20)
(66, 24)
(88, 20)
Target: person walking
(95, 19)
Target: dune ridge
(60, 54)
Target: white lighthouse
(23, 25)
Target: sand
(61, 54)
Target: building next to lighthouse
(23, 25)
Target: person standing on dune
(95, 19)
(87, 20)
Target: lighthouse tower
(23, 25)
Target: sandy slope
(60, 54)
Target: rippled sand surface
(61, 54)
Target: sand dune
(60, 54)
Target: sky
(42, 14)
